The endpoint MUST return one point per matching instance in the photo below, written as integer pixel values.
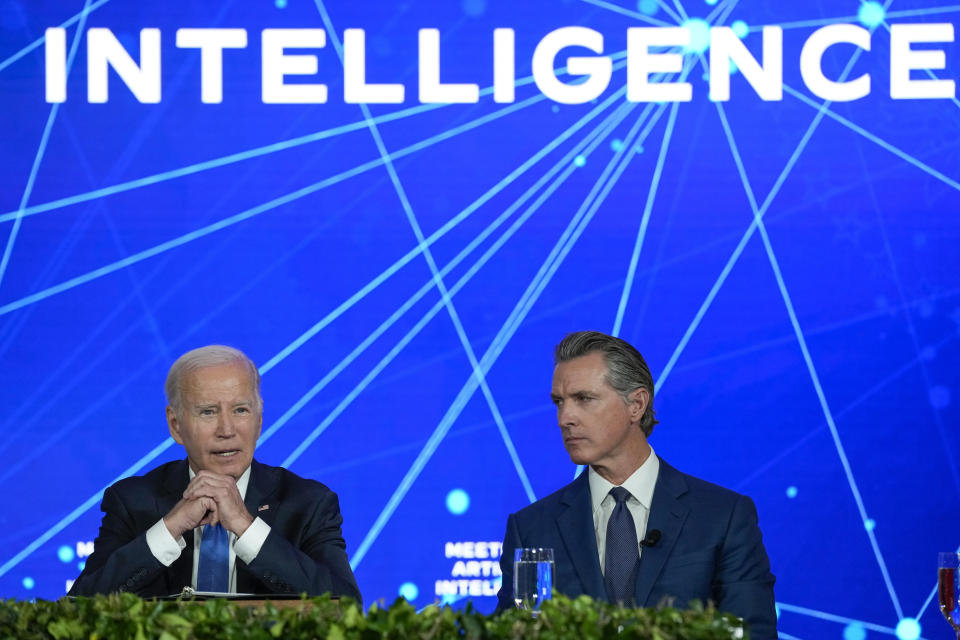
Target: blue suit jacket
(710, 548)
(304, 551)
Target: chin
(233, 467)
(577, 457)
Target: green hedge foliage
(128, 616)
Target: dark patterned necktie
(213, 568)
(623, 551)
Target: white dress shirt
(640, 484)
(166, 549)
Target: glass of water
(532, 577)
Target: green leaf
(65, 629)
(174, 620)
(352, 617)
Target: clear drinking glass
(532, 577)
(948, 587)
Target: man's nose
(225, 426)
(566, 415)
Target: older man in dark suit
(632, 529)
(218, 521)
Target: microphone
(653, 537)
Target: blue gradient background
(809, 362)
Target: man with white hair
(218, 521)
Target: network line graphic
(401, 273)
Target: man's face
(598, 427)
(219, 420)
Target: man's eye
(206, 412)
(243, 410)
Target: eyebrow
(573, 394)
(217, 404)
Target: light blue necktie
(213, 569)
(622, 554)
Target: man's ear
(639, 401)
(174, 425)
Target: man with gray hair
(633, 530)
(218, 521)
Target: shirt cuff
(248, 545)
(162, 545)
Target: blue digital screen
(400, 267)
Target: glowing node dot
(776, 609)
(639, 149)
(870, 524)
(928, 353)
(939, 397)
(409, 591)
(555, 108)
(474, 8)
(647, 7)
(854, 631)
(791, 492)
(28, 583)
(280, 4)
(699, 35)
(579, 161)
(871, 14)
(712, 2)
(908, 629)
(81, 565)
(458, 502)
(740, 28)
(65, 554)
(616, 145)
(733, 67)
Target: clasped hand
(209, 498)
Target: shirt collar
(242, 481)
(640, 484)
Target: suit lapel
(667, 514)
(260, 503)
(576, 528)
(260, 492)
(174, 484)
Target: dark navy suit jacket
(710, 548)
(304, 551)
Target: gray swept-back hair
(627, 371)
(210, 356)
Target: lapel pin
(263, 507)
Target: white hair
(209, 356)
